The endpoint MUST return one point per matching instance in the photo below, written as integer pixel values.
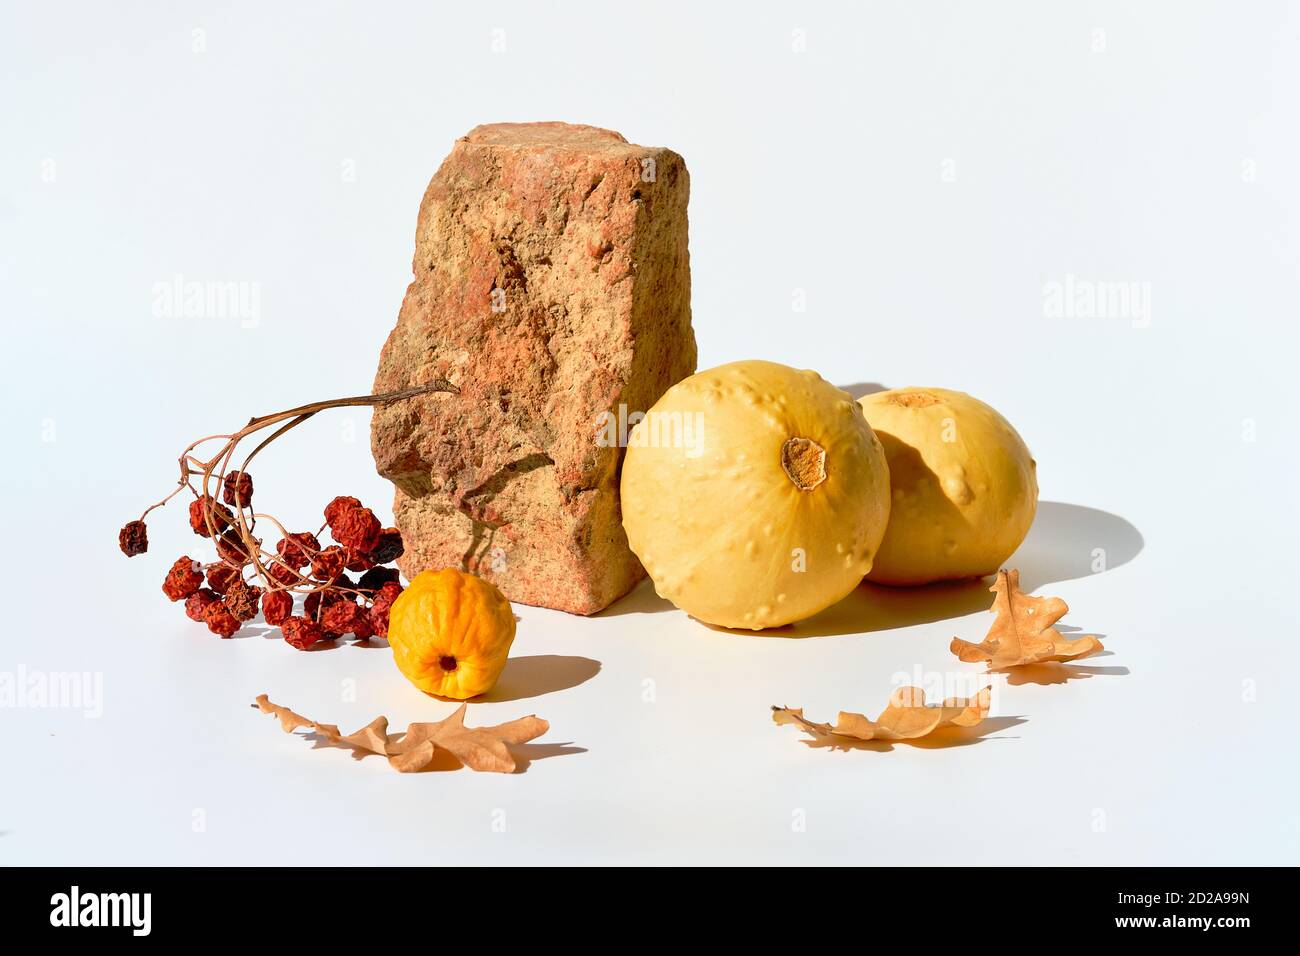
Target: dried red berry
(237, 488)
(362, 628)
(383, 603)
(221, 516)
(328, 564)
(389, 548)
(357, 560)
(242, 600)
(221, 577)
(339, 505)
(231, 549)
(376, 578)
(317, 600)
(196, 605)
(184, 578)
(277, 606)
(341, 616)
(220, 620)
(281, 575)
(356, 528)
(297, 549)
(133, 539)
(301, 632)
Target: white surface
(825, 171)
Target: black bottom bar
(332, 906)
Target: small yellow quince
(451, 633)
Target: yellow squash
(963, 484)
(754, 494)
(451, 633)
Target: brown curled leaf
(482, 748)
(1023, 632)
(479, 748)
(906, 718)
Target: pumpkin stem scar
(804, 462)
(447, 662)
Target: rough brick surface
(552, 284)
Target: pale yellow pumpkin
(964, 486)
(754, 494)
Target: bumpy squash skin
(717, 526)
(960, 507)
(449, 614)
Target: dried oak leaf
(479, 748)
(906, 718)
(1022, 632)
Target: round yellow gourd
(964, 486)
(754, 494)
(451, 633)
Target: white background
(919, 171)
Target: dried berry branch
(335, 604)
